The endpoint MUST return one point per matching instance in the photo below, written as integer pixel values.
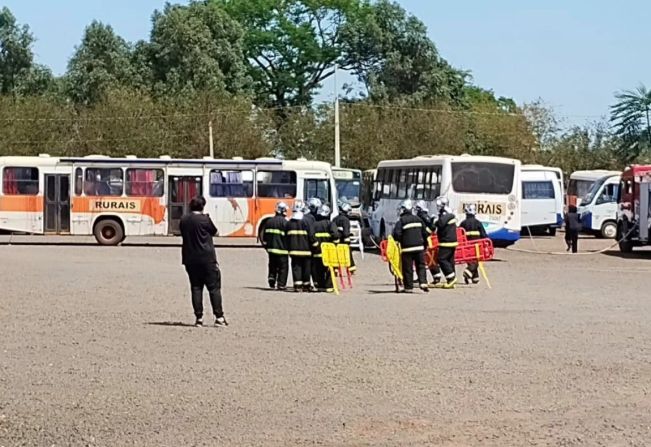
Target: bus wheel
(609, 230)
(108, 232)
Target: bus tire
(367, 237)
(608, 230)
(108, 231)
(552, 231)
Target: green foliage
(630, 117)
(16, 55)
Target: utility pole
(210, 143)
(337, 142)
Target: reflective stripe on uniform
(340, 228)
(429, 231)
(452, 221)
(347, 240)
(448, 244)
(276, 251)
(322, 235)
(274, 231)
(297, 233)
(318, 255)
(473, 233)
(300, 253)
(412, 249)
(413, 225)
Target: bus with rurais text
(113, 198)
(491, 183)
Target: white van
(542, 199)
(598, 209)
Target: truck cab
(634, 208)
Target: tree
(292, 45)
(194, 48)
(100, 63)
(16, 55)
(390, 53)
(631, 118)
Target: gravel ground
(95, 350)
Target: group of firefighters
(300, 238)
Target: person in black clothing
(446, 231)
(572, 229)
(474, 230)
(310, 215)
(423, 213)
(342, 222)
(200, 260)
(299, 244)
(273, 240)
(410, 233)
(324, 231)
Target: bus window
(402, 184)
(386, 183)
(79, 181)
(434, 184)
(145, 182)
(231, 183)
(482, 178)
(276, 184)
(608, 194)
(20, 181)
(103, 182)
(394, 175)
(318, 188)
(537, 190)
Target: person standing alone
(200, 261)
(572, 228)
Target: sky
(574, 55)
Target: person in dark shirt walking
(572, 229)
(200, 261)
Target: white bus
(542, 198)
(581, 182)
(112, 198)
(491, 183)
(598, 209)
(349, 187)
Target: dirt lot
(94, 351)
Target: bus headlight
(511, 197)
(511, 206)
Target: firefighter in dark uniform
(423, 213)
(446, 231)
(299, 245)
(474, 230)
(310, 212)
(342, 222)
(273, 240)
(324, 231)
(410, 233)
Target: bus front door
(57, 204)
(182, 189)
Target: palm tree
(631, 117)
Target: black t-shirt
(197, 231)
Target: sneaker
(450, 285)
(407, 290)
(282, 288)
(198, 322)
(272, 284)
(221, 322)
(475, 280)
(424, 288)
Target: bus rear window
(482, 178)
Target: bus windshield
(482, 178)
(349, 191)
(592, 192)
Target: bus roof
(540, 168)
(425, 160)
(594, 174)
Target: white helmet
(314, 204)
(345, 208)
(298, 207)
(442, 203)
(470, 208)
(324, 211)
(406, 206)
(281, 208)
(421, 206)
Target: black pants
(408, 260)
(301, 271)
(208, 276)
(353, 267)
(278, 270)
(323, 278)
(572, 240)
(446, 262)
(472, 271)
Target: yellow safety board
(394, 257)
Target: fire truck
(634, 208)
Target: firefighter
(446, 231)
(410, 233)
(310, 212)
(474, 230)
(342, 222)
(299, 243)
(324, 231)
(274, 241)
(423, 213)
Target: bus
(491, 183)
(598, 209)
(112, 198)
(634, 208)
(349, 187)
(581, 182)
(542, 198)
